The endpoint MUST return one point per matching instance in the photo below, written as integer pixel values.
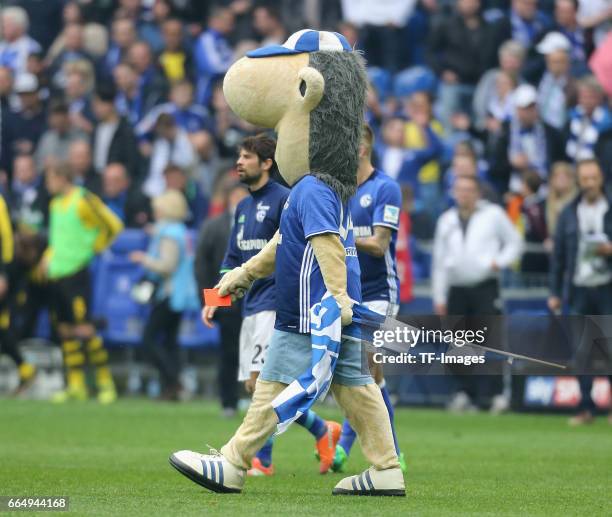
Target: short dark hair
(106, 92)
(172, 167)
(58, 107)
(263, 146)
(532, 179)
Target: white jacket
(466, 260)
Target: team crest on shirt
(365, 200)
(262, 210)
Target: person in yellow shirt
(80, 226)
(419, 108)
(8, 343)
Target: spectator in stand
(422, 141)
(557, 89)
(134, 99)
(15, 45)
(595, 15)
(29, 121)
(28, 198)
(123, 35)
(73, 50)
(197, 204)
(460, 50)
(566, 22)
(269, 26)
(382, 29)
(527, 211)
(80, 79)
(581, 266)
(473, 242)
(152, 84)
(465, 163)
(174, 58)
(590, 126)
(561, 190)
(167, 263)
(212, 53)
(54, 143)
(191, 117)
(511, 56)
(152, 28)
(171, 146)
(81, 164)
(113, 137)
(212, 243)
(526, 142)
(128, 203)
(525, 24)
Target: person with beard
(256, 220)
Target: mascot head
(311, 90)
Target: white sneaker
(461, 403)
(499, 404)
(211, 471)
(373, 482)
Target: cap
(25, 83)
(306, 40)
(525, 95)
(552, 42)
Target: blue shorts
(289, 356)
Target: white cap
(25, 83)
(553, 42)
(525, 95)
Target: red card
(212, 298)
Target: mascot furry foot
(373, 482)
(211, 471)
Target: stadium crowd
(127, 94)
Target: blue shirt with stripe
(313, 208)
(377, 202)
(256, 220)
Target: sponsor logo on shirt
(351, 251)
(249, 244)
(362, 231)
(391, 214)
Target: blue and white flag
(301, 394)
(326, 333)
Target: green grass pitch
(114, 461)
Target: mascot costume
(311, 90)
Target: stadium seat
(381, 80)
(194, 334)
(415, 79)
(113, 303)
(130, 240)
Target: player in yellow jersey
(80, 226)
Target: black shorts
(70, 298)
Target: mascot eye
(303, 88)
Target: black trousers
(591, 301)
(229, 323)
(479, 300)
(160, 342)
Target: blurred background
(128, 93)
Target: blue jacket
(183, 294)
(563, 262)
